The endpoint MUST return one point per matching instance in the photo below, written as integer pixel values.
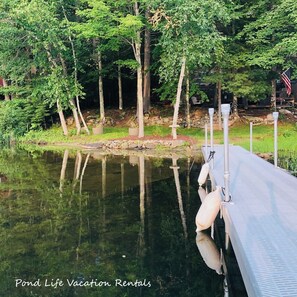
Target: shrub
(20, 116)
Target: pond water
(74, 224)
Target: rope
(230, 198)
(211, 156)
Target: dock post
(275, 117)
(225, 113)
(206, 140)
(251, 137)
(211, 112)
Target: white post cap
(225, 109)
(275, 115)
(211, 111)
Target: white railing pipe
(275, 118)
(225, 113)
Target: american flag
(286, 79)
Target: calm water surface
(76, 224)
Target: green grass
(157, 130)
(55, 135)
(263, 137)
(239, 135)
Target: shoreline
(152, 146)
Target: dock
(261, 221)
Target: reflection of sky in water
(80, 217)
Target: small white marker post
(225, 113)
(211, 112)
(275, 117)
(251, 137)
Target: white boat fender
(209, 252)
(203, 174)
(202, 193)
(208, 210)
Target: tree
(108, 22)
(97, 25)
(189, 39)
(272, 35)
(75, 72)
(15, 57)
(136, 44)
(147, 63)
(129, 30)
(41, 44)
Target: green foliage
(287, 159)
(250, 84)
(243, 44)
(190, 31)
(128, 63)
(34, 42)
(272, 34)
(19, 116)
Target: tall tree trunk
(5, 85)
(139, 97)
(75, 116)
(188, 105)
(273, 94)
(215, 99)
(71, 101)
(235, 106)
(137, 52)
(100, 84)
(146, 66)
(59, 107)
(81, 116)
(62, 118)
(120, 88)
(178, 95)
(98, 60)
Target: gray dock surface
(262, 222)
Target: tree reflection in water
(123, 222)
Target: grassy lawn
(263, 137)
(239, 135)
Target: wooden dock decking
(262, 221)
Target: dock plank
(263, 221)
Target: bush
(20, 116)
